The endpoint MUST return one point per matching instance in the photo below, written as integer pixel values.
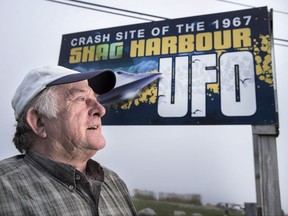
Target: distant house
(179, 213)
(147, 212)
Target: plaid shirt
(34, 185)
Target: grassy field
(167, 209)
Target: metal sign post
(266, 170)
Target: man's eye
(81, 98)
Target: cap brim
(101, 81)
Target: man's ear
(35, 121)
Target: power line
(95, 9)
(277, 44)
(245, 5)
(105, 11)
(276, 11)
(138, 13)
(279, 39)
(119, 9)
(283, 12)
(226, 1)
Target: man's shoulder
(98, 168)
(11, 165)
(109, 173)
(111, 177)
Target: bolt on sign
(206, 70)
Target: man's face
(78, 124)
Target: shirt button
(77, 177)
(71, 187)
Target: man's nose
(96, 108)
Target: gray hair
(46, 105)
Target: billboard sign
(204, 70)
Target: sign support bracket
(266, 170)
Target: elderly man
(58, 131)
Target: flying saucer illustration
(128, 85)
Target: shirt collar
(56, 169)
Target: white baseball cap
(36, 80)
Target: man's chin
(98, 146)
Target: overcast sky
(214, 161)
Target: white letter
(237, 84)
(106, 37)
(74, 42)
(155, 31)
(173, 87)
(119, 36)
(203, 72)
(165, 29)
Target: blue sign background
(112, 48)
